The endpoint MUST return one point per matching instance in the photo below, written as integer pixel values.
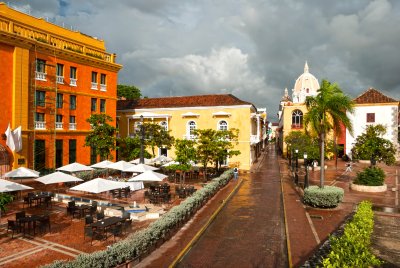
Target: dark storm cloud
(253, 49)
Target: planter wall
(368, 189)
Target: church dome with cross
(305, 85)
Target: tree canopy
(102, 136)
(128, 92)
(371, 146)
(326, 111)
(157, 136)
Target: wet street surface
(249, 231)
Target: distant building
(292, 109)
(181, 115)
(51, 80)
(371, 108)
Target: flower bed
(144, 241)
(368, 189)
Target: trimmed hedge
(144, 241)
(370, 176)
(327, 197)
(352, 249)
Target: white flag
(17, 139)
(10, 138)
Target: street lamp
(141, 160)
(296, 176)
(306, 165)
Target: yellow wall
(240, 118)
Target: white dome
(305, 85)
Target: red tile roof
(373, 96)
(183, 101)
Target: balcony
(72, 126)
(297, 126)
(40, 76)
(254, 139)
(59, 125)
(94, 86)
(72, 82)
(60, 79)
(40, 125)
(103, 87)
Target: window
(103, 81)
(102, 106)
(40, 98)
(60, 73)
(72, 151)
(72, 119)
(93, 107)
(72, 76)
(297, 119)
(72, 102)
(191, 126)
(370, 117)
(40, 154)
(59, 121)
(222, 125)
(39, 117)
(40, 70)
(59, 103)
(72, 122)
(40, 123)
(94, 80)
(93, 156)
(59, 153)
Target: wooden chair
(93, 233)
(12, 226)
(116, 230)
(88, 220)
(100, 216)
(44, 222)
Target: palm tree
(326, 111)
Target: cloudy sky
(250, 48)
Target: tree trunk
(322, 174)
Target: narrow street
(249, 231)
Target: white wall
(386, 115)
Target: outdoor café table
(82, 209)
(29, 221)
(106, 223)
(38, 198)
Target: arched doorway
(4, 161)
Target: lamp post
(296, 176)
(289, 156)
(306, 165)
(141, 160)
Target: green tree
(304, 144)
(371, 145)
(102, 137)
(129, 148)
(157, 136)
(326, 111)
(185, 152)
(128, 92)
(5, 199)
(225, 140)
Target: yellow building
(181, 115)
(292, 109)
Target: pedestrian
(235, 173)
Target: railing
(94, 86)
(254, 139)
(60, 79)
(40, 125)
(72, 82)
(54, 40)
(72, 126)
(297, 126)
(40, 76)
(103, 87)
(59, 125)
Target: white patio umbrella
(9, 186)
(149, 176)
(102, 164)
(140, 168)
(146, 161)
(162, 158)
(120, 165)
(57, 177)
(170, 164)
(98, 185)
(74, 167)
(22, 172)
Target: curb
(203, 229)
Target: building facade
(51, 80)
(181, 115)
(372, 108)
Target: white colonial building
(372, 108)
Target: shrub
(352, 249)
(327, 197)
(370, 176)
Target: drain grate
(319, 217)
